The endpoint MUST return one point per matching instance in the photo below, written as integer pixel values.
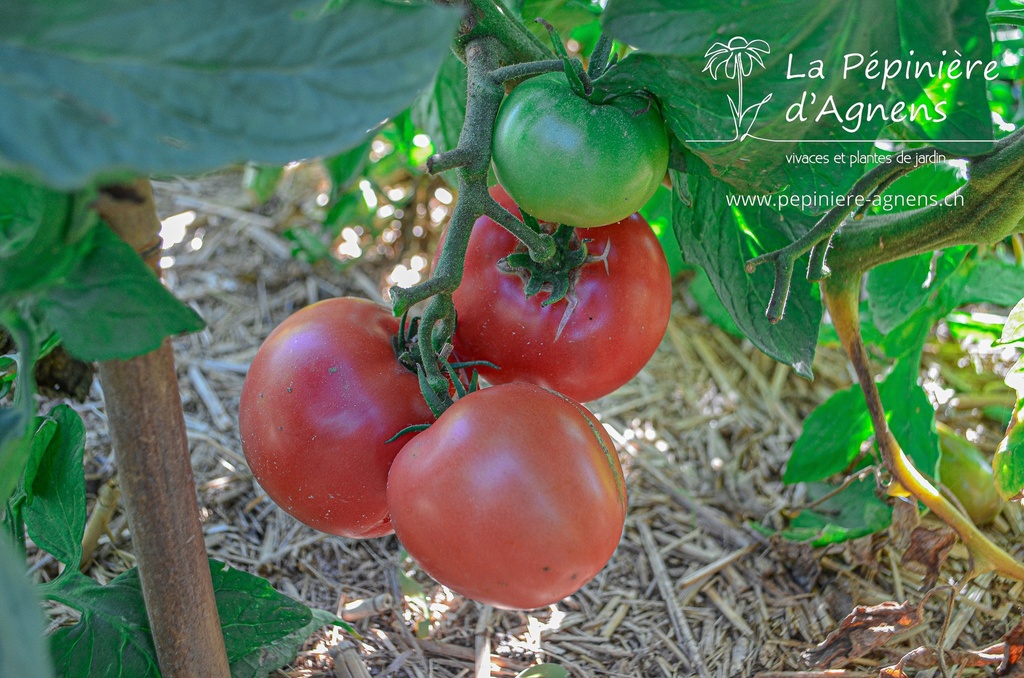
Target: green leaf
(113, 306)
(16, 421)
(441, 109)
(897, 289)
(307, 245)
(704, 294)
(55, 506)
(146, 86)
(1008, 463)
(992, 281)
(262, 180)
(565, 15)
(720, 239)
(22, 644)
(112, 637)
(855, 512)
(253, 615)
(831, 438)
(14, 438)
(261, 626)
(346, 168)
(262, 661)
(544, 671)
(910, 414)
(36, 227)
(934, 29)
(1013, 330)
(700, 108)
(658, 213)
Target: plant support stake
(147, 427)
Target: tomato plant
(94, 105)
(587, 344)
(513, 497)
(567, 160)
(322, 396)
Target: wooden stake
(147, 427)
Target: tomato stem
(992, 206)
(841, 293)
(524, 70)
(471, 160)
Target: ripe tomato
(567, 160)
(623, 308)
(514, 497)
(323, 394)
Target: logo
(736, 60)
(942, 77)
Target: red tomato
(514, 497)
(323, 394)
(624, 303)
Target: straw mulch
(704, 432)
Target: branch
(842, 294)
(490, 18)
(817, 239)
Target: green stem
(842, 293)
(526, 69)
(471, 160)
(490, 18)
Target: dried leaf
(862, 631)
(927, 552)
(905, 519)
(1013, 649)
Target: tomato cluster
(514, 496)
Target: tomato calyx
(584, 82)
(405, 344)
(558, 274)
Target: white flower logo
(736, 60)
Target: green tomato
(566, 160)
(968, 475)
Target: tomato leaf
(112, 637)
(897, 289)
(262, 180)
(55, 504)
(1008, 463)
(720, 239)
(37, 226)
(992, 281)
(144, 86)
(262, 627)
(854, 512)
(911, 414)
(22, 644)
(16, 421)
(564, 15)
(658, 213)
(831, 438)
(704, 294)
(1013, 330)
(111, 305)
(346, 167)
